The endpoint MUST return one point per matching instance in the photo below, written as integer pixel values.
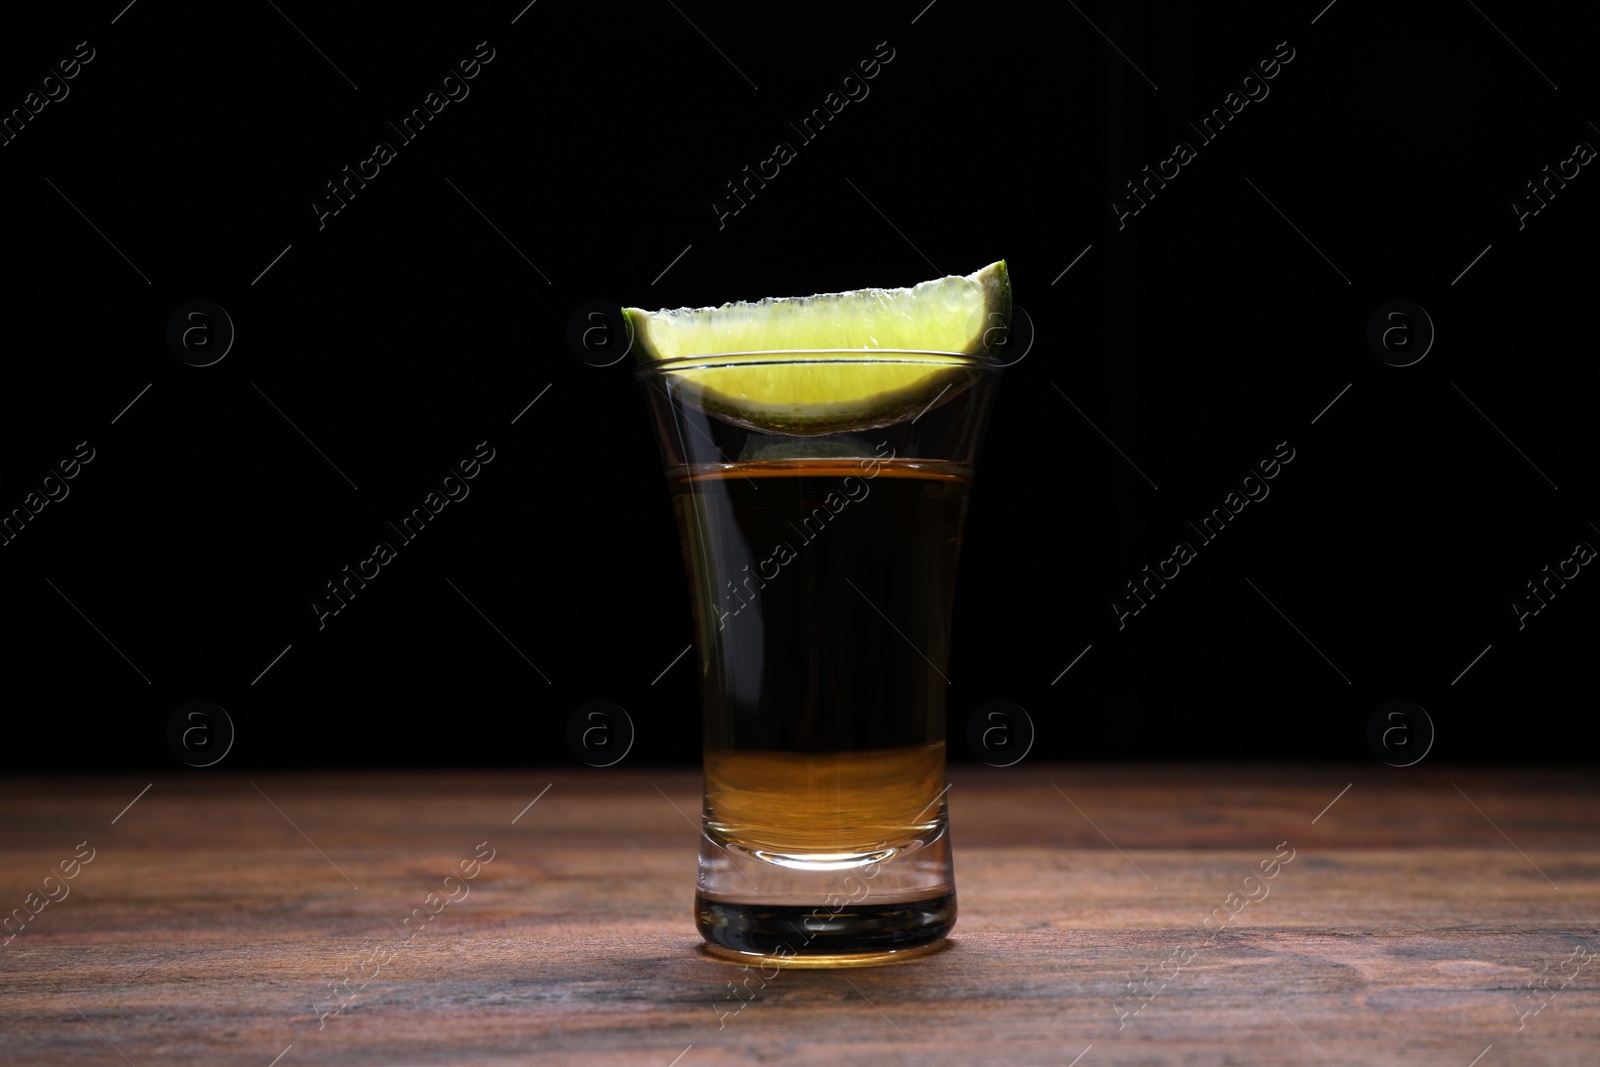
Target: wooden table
(1417, 909)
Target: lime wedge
(852, 360)
(950, 314)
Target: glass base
(871, 903)
(787, 935)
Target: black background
(1221, 319)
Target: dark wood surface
(1429, 916)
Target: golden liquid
(813, 803)
(822, 595)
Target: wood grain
(219, 908)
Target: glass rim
(789, 356)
